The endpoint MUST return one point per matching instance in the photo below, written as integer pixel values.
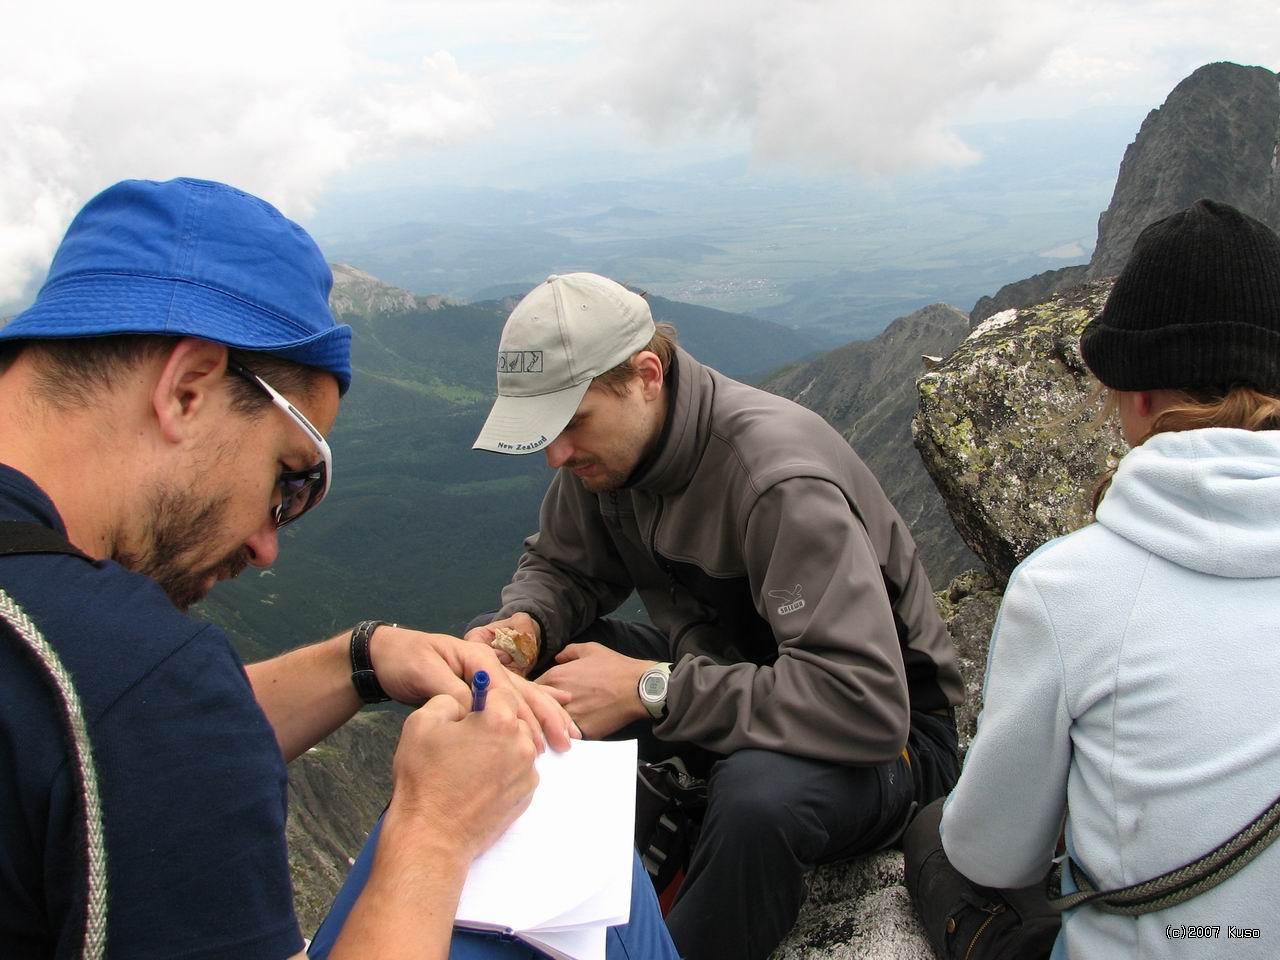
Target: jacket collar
(685, 431)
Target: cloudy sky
(291, 99)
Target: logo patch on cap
(520, 361)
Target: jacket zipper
(658, 558)
(665, 565)
(653, 527)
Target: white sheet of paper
(565, 864)
(584, 943)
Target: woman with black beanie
(1135, 664)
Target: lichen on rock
(968, 607)
(1009, 428)
(857, 910)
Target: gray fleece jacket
(799, 615)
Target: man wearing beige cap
(795, 654)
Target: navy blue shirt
(192, 782)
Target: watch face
(654, 686)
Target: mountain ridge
(1216, 135)
(1018, 386)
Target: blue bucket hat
(191, 258)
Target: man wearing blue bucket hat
(163, 411)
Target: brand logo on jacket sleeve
(791, 599)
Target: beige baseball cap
(568, 330)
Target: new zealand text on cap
(568, 330)
(191, 258)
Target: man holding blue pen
(643, 937)
(164, 410)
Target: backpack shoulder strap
(91, 903)
(1190, 880)
(18, 536)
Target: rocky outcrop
(968, 607)
(360, 293)
(1216, 136)
(1005, 426)
(1008, 427)
(865, 390)
(1031, 290)
(857, 910)
(336, 791)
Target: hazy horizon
(843, 253)
(717, 233)
(796, 160)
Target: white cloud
(274, 97)
(1139, 50)
(878, 87)
(280, 96)
(822, 81)
(1071, 250)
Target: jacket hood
(1208, 500)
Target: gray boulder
(1009, 429)
(968, 607)
(1031, 290)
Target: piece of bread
(520, 647)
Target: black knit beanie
(1196, 307)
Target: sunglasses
(298, 490)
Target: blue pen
(479, 690)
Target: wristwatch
(653, 689)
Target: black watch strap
(362, 675)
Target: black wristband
(362, 675)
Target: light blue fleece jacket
(1132, 686)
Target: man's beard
(178, 527)
(603, 482)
